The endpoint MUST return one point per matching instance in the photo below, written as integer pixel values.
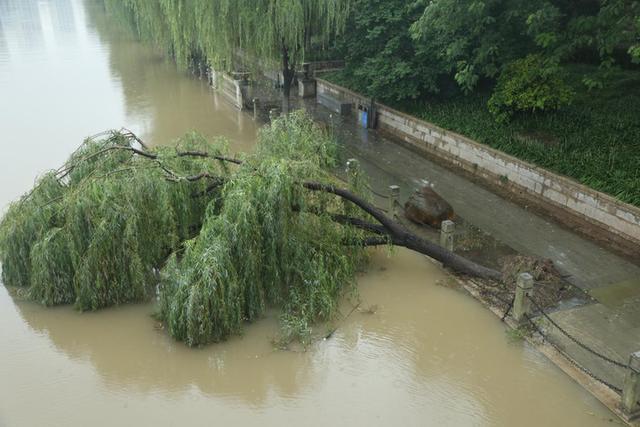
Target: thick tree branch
(359, 223)
(399, 236)
(210, 156)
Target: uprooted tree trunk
(391, 232)
(388, 232)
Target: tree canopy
(219, 239)
(228, 238)
(381, 58)
(232, 34)
(417, 48)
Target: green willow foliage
(271, 243)
(92, 237)
(225, 32)
(228, 243)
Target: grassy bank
(595, 140)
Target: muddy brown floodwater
(417, 353)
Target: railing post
(447, 230)
(255, 108)
(521, 304)
(631, 388)
(352, 169)
(213, 78)
(394, 195)
(332, 124)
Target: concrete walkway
(612, 325)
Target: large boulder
(426, 207)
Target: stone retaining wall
(617, 220)
(235, 91)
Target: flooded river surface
(417, 352)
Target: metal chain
(554, 345)
(506, 313)
(546, 339)
(376, 193)
(572, 360)
(574, 339)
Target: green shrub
(528, 85)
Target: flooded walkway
(610, 325)
(418, 352)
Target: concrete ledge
(333, 103)
(232, 88)
(617, 221)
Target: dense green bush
(381, 57)
(531, 84)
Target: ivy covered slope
(228, 238)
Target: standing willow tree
(224, 32)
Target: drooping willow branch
(388, 232)
(63, 172)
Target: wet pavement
(611, 324)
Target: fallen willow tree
(218, 238)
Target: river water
(417, 352)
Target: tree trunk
(286, 90)
(288, 73)
(392, 232)
(385, 232)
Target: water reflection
(66, 73)
(129, 351)
(166, 107)
(17, 25)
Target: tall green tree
(272, 30)
(523, 45)
(381, 57)
(229, 236)
(473, 39)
